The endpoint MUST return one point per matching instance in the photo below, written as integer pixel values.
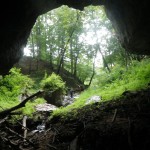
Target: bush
(53, 83)
(12, 86)
(54, 88)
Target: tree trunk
(33, 50)
(93, 73)
(63, 52)
(51, 56)
(71, 57)
(38, 47)
(104, 60)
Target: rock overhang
(130, 18)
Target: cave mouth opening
(124, 129)
(88, 30)
(71, 39)
(127, 17)
(81, 43)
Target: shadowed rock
(130, 18)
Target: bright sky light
(27, 51)
(88, 38)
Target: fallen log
(7, 112)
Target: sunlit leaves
(72, 35)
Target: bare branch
(22, 104)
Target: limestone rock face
(130, 18)
(17, 19)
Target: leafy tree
(59, 37)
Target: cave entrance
(75, 44)
(80, 45)
(73, 40)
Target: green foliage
(104, 78)
(111, 86)
(84, 71)
(12, 85)
(53, 83)
(29, 109)
(133, 78)
(64, 33)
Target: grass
(135, 78)
(107, 86)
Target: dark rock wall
(131, 19)
(17, 19)
(16, 24)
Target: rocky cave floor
(123, 124)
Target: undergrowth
(110, 86)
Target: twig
(19, 135)
(54, 137)
(24, 127)
(3, 120)
(51, 146)
(129, 135)
(114, 116)
(56, 131)
(74, 143)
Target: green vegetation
(70, 41)
(53, 83)
(13, 87)
(110, 86)
(54, 89)
(29, 109)
(135, 77)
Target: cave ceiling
(130, 18)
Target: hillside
(120, 120)
(37, 69)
